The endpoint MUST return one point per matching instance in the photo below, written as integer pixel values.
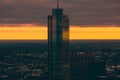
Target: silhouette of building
(100, 68)
(58, 43)
(82, 67)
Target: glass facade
(58, 44)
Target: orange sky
(33, 32)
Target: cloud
(81, 12)
(27, 11)
(95, 12)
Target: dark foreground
(27, 60)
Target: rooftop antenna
(57, 3)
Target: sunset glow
(95, 33)
(33, 32)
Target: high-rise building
(58, 43)
(82, 67)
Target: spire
(57, 3)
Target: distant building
(58, 43)
(82, 67)
(100, 68)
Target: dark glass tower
(82, 67)
(58, 43)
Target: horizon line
(69, 40)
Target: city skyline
(59, 40)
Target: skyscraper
(58, 43)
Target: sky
(89, 19)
